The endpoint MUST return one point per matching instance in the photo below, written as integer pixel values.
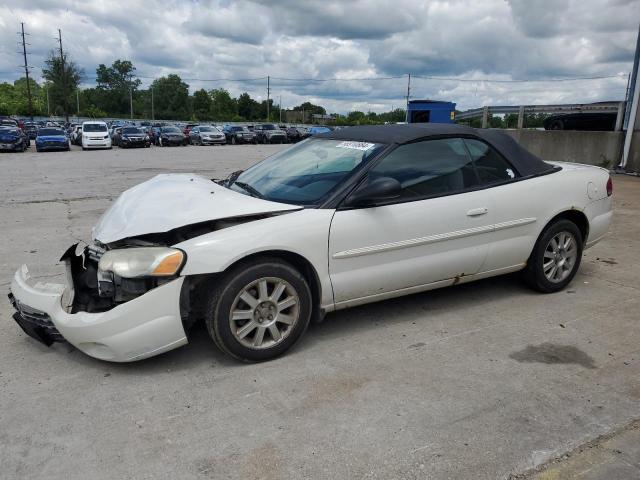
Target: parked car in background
(236, 134)
(8, 122)
(95, 135)
(52, 138)
(333, 222)
(293, 134)
(168, 136)
(581, 121)
(311, 131)
(154, 134)
(76, 136)
(13, 139)
(269, 133)
(31, 129)
(132, 137)
(206, 135)
(187, 128)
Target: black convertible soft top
(524, 161)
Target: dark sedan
(52, 139)
(168, 136)
(236, 134)
(132, 137)
(13, 139)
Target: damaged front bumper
(140, 328)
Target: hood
(170, 201)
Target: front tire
(258, 311)
(555, 258)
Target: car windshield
(208, 129)
(171, 130)
(269, 127)
(237, 129)
(50, 131)
(306, 173)
(132, 131)
(94, 127)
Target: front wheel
(258, 312)
(555, 258)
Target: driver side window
(428, 168)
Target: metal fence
(605, 107)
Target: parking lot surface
(481, 380)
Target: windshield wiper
(231, 178)
(249, 189)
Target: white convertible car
(345, 218)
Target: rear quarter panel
(542, 198)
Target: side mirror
(373, 192)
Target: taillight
(609, 187)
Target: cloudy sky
(474, 48)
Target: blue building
(431, 111)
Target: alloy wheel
(560, 256)
(264, 312)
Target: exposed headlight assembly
(143, 262)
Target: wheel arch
(576, 216)
(197, 284)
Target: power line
(533, 80)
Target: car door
(437, 230)
(516, 216)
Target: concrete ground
(480, 381)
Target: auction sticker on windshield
(356, 145)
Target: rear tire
(555, 258)
(274, 319)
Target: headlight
(142, 262)
(106, 136)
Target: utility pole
(268, 93)
(48, 110)
(408, 96)
(26, 71)
(152, 112)
(131, 100)
(64, 80)
(280, 107)
(78, 103)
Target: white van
(95, 135)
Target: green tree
(63, 77)
(223, 107)
(248, 108)
(171, 97)
(115, 84)
(201, 105)
(311, 108)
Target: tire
(233, 140)
(544, 257)
(225, 296)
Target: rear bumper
(146, 326)
(599, 214)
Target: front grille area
(35, 323)
(95, 253)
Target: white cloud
(515, 39)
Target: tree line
(118, 93)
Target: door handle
(476, 212)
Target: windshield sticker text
(356, 145)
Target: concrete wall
(595, 148)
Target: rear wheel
(555, 258)
(258, 312)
